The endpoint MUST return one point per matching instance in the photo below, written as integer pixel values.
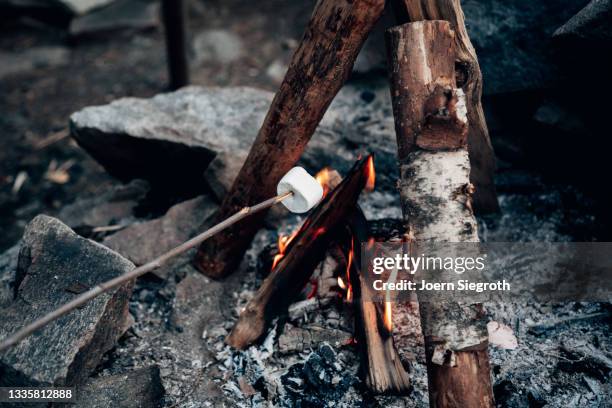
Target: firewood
(302, 256)
(318, 69)
(173, 13)
(382, 367)
(435, 190)
(469, 78)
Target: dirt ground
(36, 104)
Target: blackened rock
(512, 39)
(142, 242)
(592, 23)
(140, 388)
(52, 259)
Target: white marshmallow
(307, 191)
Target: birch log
(317, 71)
(435, 190)
(469, 79)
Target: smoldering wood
(318, 69)
(53, 259)
(302, 256)
(436, 195)
(173, 14)
(469, 78)
(382, 366)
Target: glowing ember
(341, 283)
(371, 174)
(388, 318)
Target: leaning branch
(318, 69)
(141, 270)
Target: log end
(249, 328)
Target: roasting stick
(297, 190)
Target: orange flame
(341, 283)
(349, 262)
(388, 317)
(323, 178)
(371, 174)
(283, 243)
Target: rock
(141, 388)
(53, 259)
(113, 207)
(221, 46)
(8, 269)
(135, 137)
(592, 23)
(190, 128)
(120, 15)
(33, 58)
(142, 242)
(512, 40)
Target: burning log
(173, 13)
(303, 253)
(382, 369)
(469, 79)
(318, 69)
(431, 127)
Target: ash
(308, 357)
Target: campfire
(336, 222)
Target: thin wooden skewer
(141, 270)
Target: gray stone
(180, 133)
(214, 45)
(172, 137)
(52, 261)
(590, 23)
(113, 207)
(33, 58)
(142, 242)
(120, 15)
(512, 40)
(8, 269)
(141, 388)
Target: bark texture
(302, 256)
(436, 194)
(469, 79)
(317, 71)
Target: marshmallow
(307, 191)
